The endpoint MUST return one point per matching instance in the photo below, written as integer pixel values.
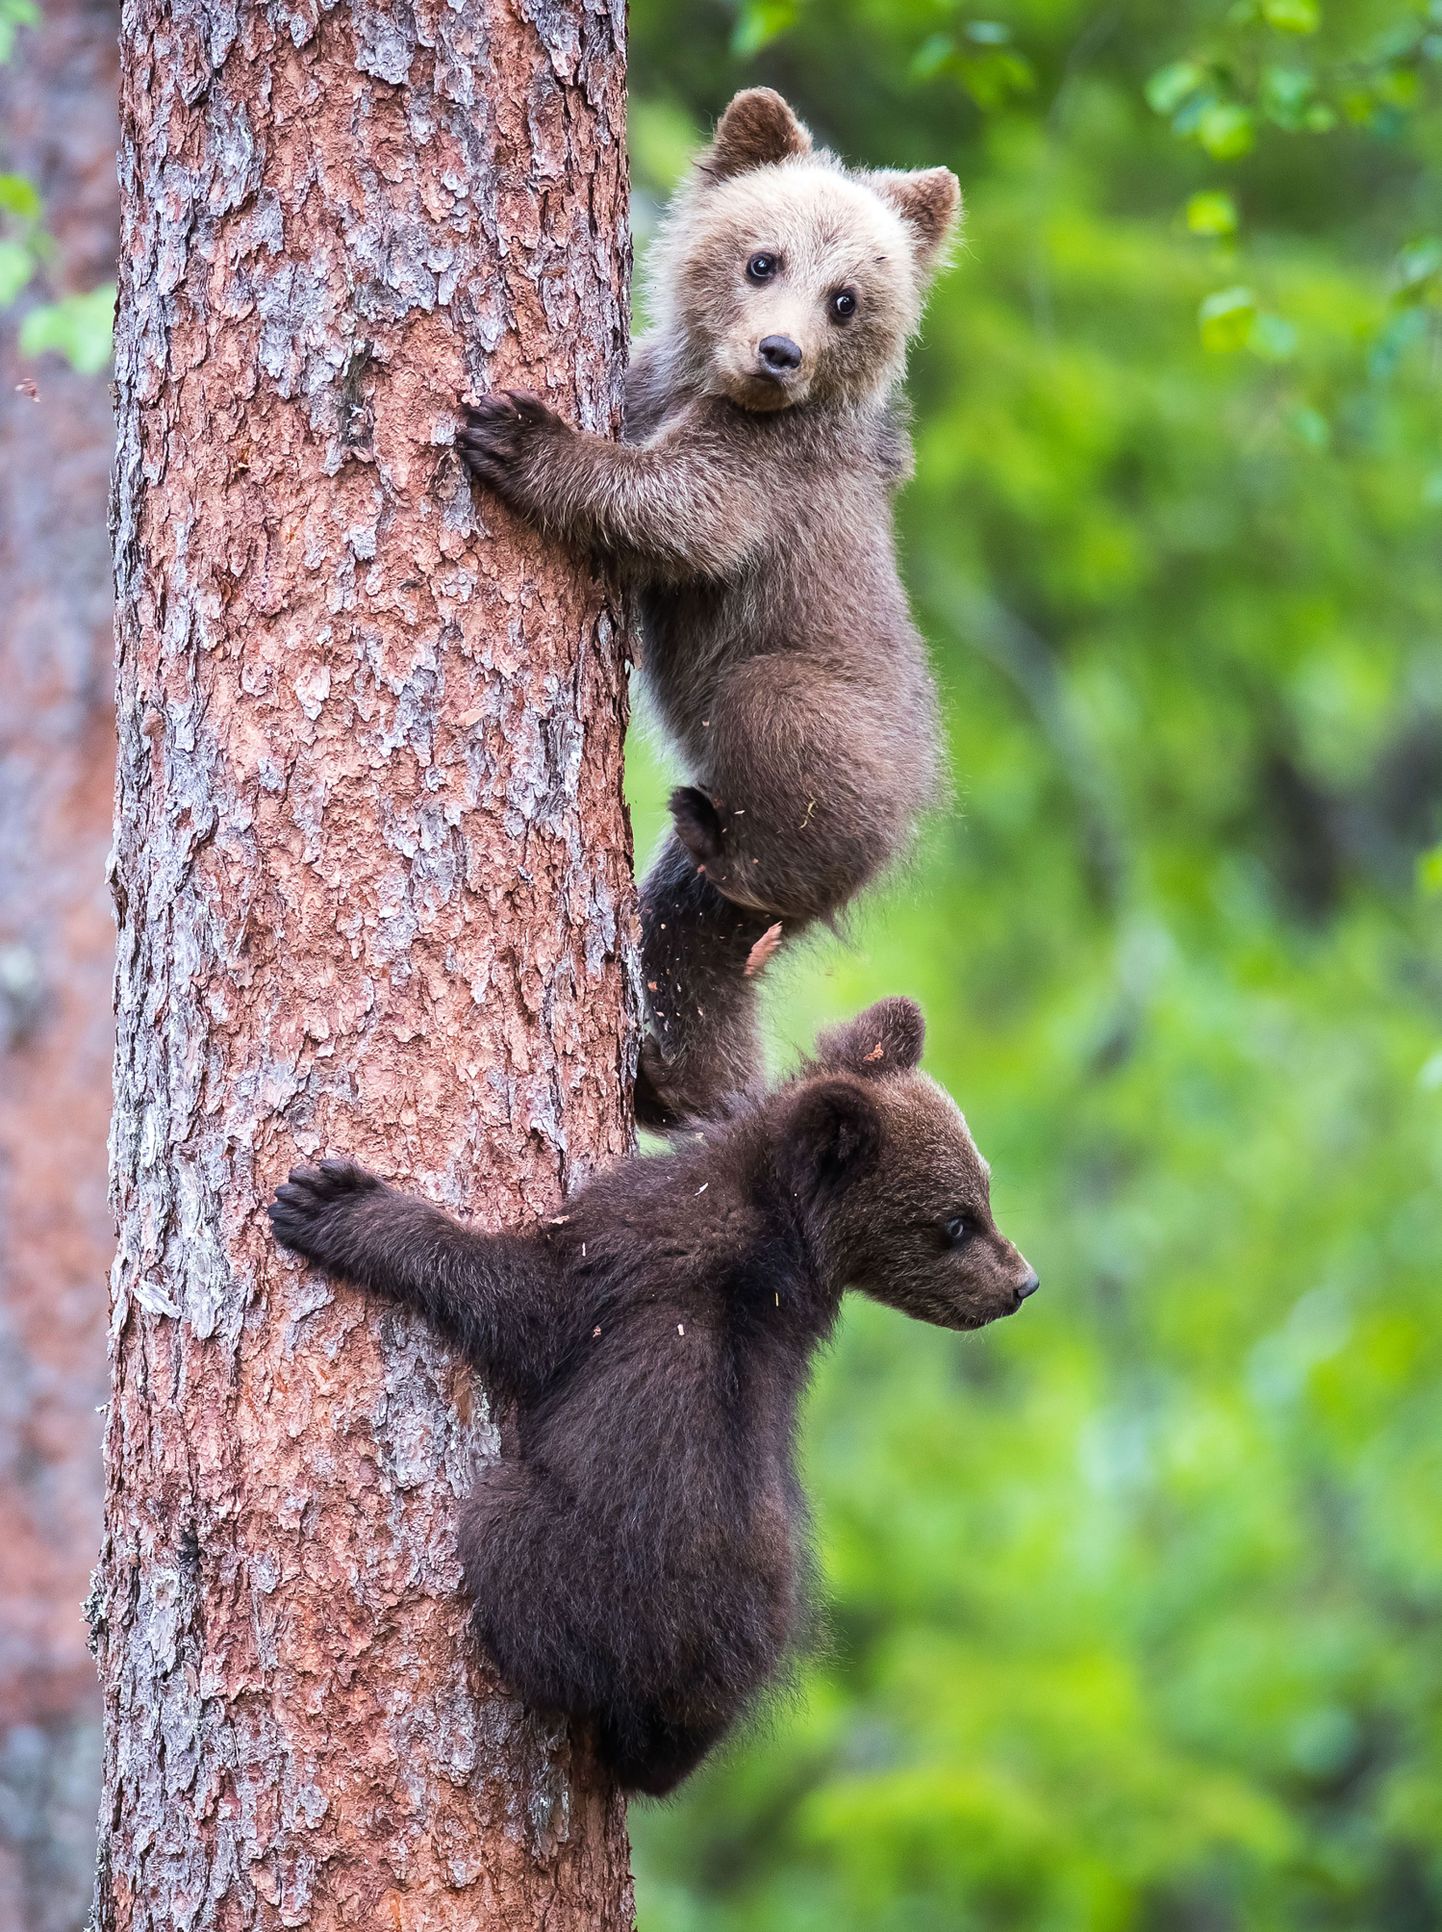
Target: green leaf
(1405, 328)
(1309, 426)
(17, 265)
(1417, 267)
(1170, 86)
(1212, 212)
(1225, 319)
(1397, 87)
(13, 15)
(78, 327)
(1292, 16)
(932, 56)
(1286, 94)
(1226, 130)
(993, 76)
(1429, 871)
(760, 22)
(19, 197)
(1273, 338)
(987, 33)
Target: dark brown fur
(753, 507)
(640, 1564)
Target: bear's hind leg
(705, 1046)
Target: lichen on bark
(373, 894)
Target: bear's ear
(886, 1038)
(929, 202)
(758, 127)
(833, 1134)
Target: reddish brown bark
(373, 894)
(57, 121)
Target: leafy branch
(1266, 70)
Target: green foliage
(980, 58)
(75, 326)
(17, 265)
(15, 14)
(1212, 212)
(1134, 1597)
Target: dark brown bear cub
(640, 1564)
(751, 502)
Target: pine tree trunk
(374, 896)
(57, 113)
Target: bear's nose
(779, 353)
(1028, 1285)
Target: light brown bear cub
(751, 503)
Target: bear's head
(882, 1160)
(782, 277)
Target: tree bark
(57, 113)
(374, 896)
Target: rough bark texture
(373, 896)
(57, 127)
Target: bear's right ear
(756, 129)
(886, 1038)
(929, 202)
(833, 1134)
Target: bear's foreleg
(681, 506)
(496, 1298)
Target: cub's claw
(311, 1207)
(494, 432)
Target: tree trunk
(57, 112)
(374, 896)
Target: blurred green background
(1135, 1599)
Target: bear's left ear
(886, 1038)
(929, 202)
(756, 129)
(833, 1135)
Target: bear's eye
(761, 268)
(843, 305)
(959, 1230)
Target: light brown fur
(751, 503)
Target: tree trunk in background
(57, 113)
(374, 896)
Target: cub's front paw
(313, 1212)
(497, 432)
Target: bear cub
(640, 1564)
(751, 504)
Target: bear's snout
(779, 354)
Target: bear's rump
(578, 1613)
